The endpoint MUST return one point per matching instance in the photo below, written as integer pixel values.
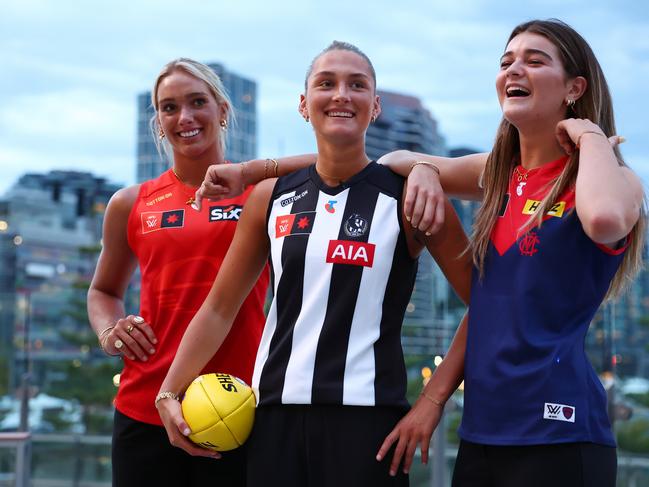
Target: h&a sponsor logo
(559, 412)
(355, 226)
(225, 213)
(291, 199)
(349, 252)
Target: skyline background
(72, 70)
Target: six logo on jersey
(225, 213)
(294, 224)
(158, 220)
(559, 412)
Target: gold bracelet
(166, 395)
(436, 402)
(275, 166)
(587, 132)
(425, 163)
(105, 330)
(102, 345)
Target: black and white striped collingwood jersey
(342, 277)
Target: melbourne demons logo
(348, 252)
(527, 244)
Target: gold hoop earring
(224, 124)
(373, 118)
(570, 103)
(161, 134)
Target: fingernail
(392, 473)
(407, 218)
(155, 340)
(145, 358)
(428, 234)
(152, 350)
(138, 319)
(187, 432)
(378, 458)
(195, 206)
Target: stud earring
(224, 124)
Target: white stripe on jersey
(358, 386)
(301, 365)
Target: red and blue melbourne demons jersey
(527, 377)
(342, 277)
(180, 251)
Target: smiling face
(189, 114)
(532, 84)
(340, 99)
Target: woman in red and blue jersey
(560, 229)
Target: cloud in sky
(71, 73)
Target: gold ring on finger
(129, 329)
(118, 344)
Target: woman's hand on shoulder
(177, 429)
(222, 181)
(570, 131)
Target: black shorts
(321, 446)
(143, 456)
(555, 465)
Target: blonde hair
(595, 105)
(201, 72)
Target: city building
(50, 228)
(241, 135)
(404, 123)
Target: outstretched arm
(424, 202)
(208, 329)
(229, 180)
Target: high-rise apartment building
(241, 135)
(50, 228)
(404, 123)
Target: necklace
(191, 199)
(519, 175)
(329, 176)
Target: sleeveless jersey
(342, 277)
(180, 252)
(527, 377)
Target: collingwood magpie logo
(355, 226)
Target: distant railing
(84, 461)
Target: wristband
(436, 402)
(166, 395)
(425, 163)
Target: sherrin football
(220, 411)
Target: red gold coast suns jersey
(527, 378)
(180, 252)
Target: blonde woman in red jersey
(179, 251)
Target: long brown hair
(595, 105)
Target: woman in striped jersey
(329, 376)
(561, 227)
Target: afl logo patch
(355, 226)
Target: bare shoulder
(123, 200)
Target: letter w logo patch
(559, 412)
